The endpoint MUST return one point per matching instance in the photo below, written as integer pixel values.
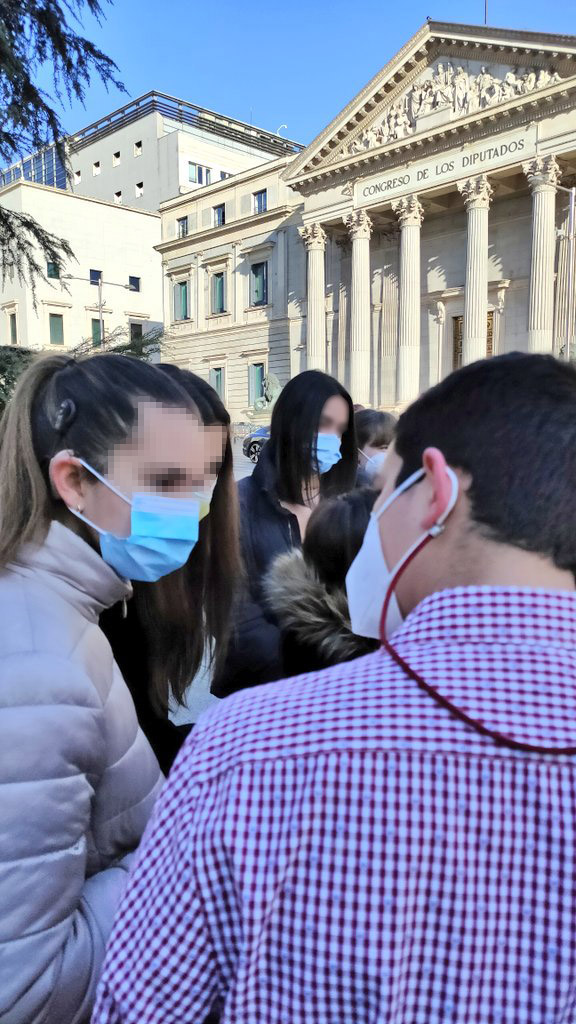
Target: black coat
(130, 649)
(266, 531)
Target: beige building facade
(69, 307)
(425, 227)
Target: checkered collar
(510, 615)
(506, 657)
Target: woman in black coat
(311, 454)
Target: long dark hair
(189, 611)
(295, 422)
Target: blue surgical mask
(162, 534)
(326, 451)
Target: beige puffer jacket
(77, 779)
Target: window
(218, 305)
(139, 189)
(224, 175)
(13, 329)
(95, 276)
(182, 227)
(77, 177)
(134, 284)
(219, 213)
(457, 336)
(255, 382)
(216, 379)
(259, 284)
(116, 159)
(181, 300)
(56, 329)
(53, 271)
(199, 175)
(260, 201)
(137, 149)
(135, 332)
(96, 168)
(96, 333)
(118, 198)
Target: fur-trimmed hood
(314, 616)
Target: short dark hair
(294, 426)
(335, 533)
(374, 428)
(510, 422)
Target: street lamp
(113, 284)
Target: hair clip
(65, 416)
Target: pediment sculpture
(454, 90)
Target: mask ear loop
(493, 734)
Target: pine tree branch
(22, 242)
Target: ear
(68, 480)
(439, 484)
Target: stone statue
(416, 100)
(529, 82)
(461, 90)
(442, 87)
(473, 96)
(464, 92)
(271, 387)
(508, 88)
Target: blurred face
(334, 417)
(169, 454)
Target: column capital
(476, 192)
(359, 224)
(313, 236)
(409, 211)
(543, 173)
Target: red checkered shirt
(338, 848)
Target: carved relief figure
(463, 92)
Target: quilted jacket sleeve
(54, 764)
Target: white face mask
(369, 579)
(373, 463)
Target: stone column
(410, 216)
(476, 193)
(314, 238)
(360, 228)
(543, 174)
(200, 288)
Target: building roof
(185, 113)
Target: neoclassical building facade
(427, 226)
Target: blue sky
(294, 64)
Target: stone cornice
(177, 245)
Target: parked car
(254, 442)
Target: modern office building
(152, 149)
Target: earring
(79, 509)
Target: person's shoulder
(283, 718)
